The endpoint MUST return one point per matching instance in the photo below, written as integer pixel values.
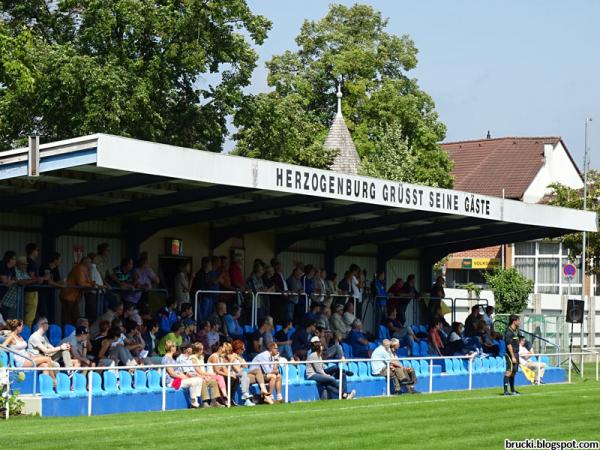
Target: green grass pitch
(474, 420)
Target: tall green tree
(351, 45)
(163, 70)
(573, 198)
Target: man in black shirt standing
(511, 337)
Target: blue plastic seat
(423, 329)
(3, 359)
(54, 334)
(424, 367)
(97, 384)
(110, 382)
(416, 366)
(384, 333)
(353, 367)
(423, 347)
(415, 328)
(402, 352)
(63, 385)
(154, 381)
(302, 374)
(458, 366)
(291, 332)
(415, 349)
(500, 364)
(486, 364)
(493, 363)
(292, 374)
(347, 350)
(46, 386)
(448, 366)
(477, 365)
(79, 385)
(69, 329)
(248, 329)
(26, 333)
(545, 359)
(140, 381)
(364, 371)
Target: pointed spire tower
(347, 159)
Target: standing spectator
(183, 284)
(356, 286)
(70, 296)
(349, 317)
(236, 274)
(296, 289)
(345, 285)
(320, 286)
(331, 286)
(279, 304)
(122, 278)
(193, 383)
(50, 273)
(225, 282)
(267, 362)
(95, 296)
(408, 292)
(102, 261)
(38, 345)
(32, 294)
(204, 282)
(24, 279)
(437, 294)
(326, 379)
(488, 318)
(8, 277)
(394, 292)
(144, 277)
(472, 321)
(381, 296)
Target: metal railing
(285, 365)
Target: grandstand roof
(150, 186)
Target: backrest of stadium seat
(292, 373)
(110, 381)
(347, 350)
(424, 367)
(140, 380)
(63, 384)
(448, 365)
(46, 386)
(154, 381)
(485, 364)
(79, 384)
(416, 349)
(26, 333)
(353, 367)
(384, 333)
(500, 364)
(68, 329)
(545, 359)
(3, 359)
(301, 371)
(364, 370)
(54, 334)
(97, 384)
(423, 347)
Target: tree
(573, 198)
(136, 68)
(511, 290)
(350, 45)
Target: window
(525, 248)
(526, 266)
(549, 248)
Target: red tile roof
(487, 166)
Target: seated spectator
(487, 344)
(220, 355)
(202, 337)
(247, 378)
(436, 346)
(314, 312)
(525, 355)
(284, 342)
(472, 321)
(214, 334)
(191, 382)
(301, 339)
(402, 332)
(103, 328)
(349, 317)
(267, 362)
(167, 317)
(115, 310)
(143, 277)
(132, 313)
(113, 350)
(151, 341)
(488, 318)
(39, 345)
(327, 379)
(337, 321)
(186, 312)
(232, 324)
(189, 332)
(78, 346)
(408, 371)
(21, 358)
(358, 341)
(209, 379)
(174, 336)
(135, 342)
(323, 317)
(208, 371)
(382, 357)
(256, 338)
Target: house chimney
(489, 136)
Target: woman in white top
(22, 358)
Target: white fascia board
(133, 155)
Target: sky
(514, 67)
